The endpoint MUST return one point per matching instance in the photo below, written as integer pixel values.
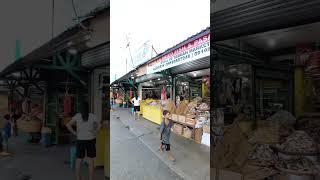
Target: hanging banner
(194, 50)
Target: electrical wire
(77, 17)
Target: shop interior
(267, 89)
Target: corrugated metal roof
(46, 50)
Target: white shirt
(136, 102)
(86, 130)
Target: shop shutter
(96, 57)
(262, 16)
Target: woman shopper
(136, 105)
(87, 127)
(165, 131)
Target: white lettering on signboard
(194, 50)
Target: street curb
(169, 164)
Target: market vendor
(5, 133)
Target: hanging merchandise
(131, 94)
(25, 106)
(163, 93)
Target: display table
(152, 113)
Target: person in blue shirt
(5, 133)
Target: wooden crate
(198, 135)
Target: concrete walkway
(132, 160)
(38, 162)
(192, 159)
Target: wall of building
(96, 93)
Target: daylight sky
(164, 23)
(30, 21)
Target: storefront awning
(261, 16)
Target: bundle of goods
(203, 107)
(298, 166)
(181, 108)
(168, 105)
(190, 110)
(119, 101)
(284, 118)
(262, 155)
(299, 142)
(267, 132)
(187, 133)
(29, 124)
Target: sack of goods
(177, 128)
(119, 101)
(187, 133)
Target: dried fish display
(299, 166)
(299, 142)
(262, 154)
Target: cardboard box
(178, 129)
(198, 135)
(187, 133)
(174, 117)
(190, 121)
(181, 118)
(206, 129)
